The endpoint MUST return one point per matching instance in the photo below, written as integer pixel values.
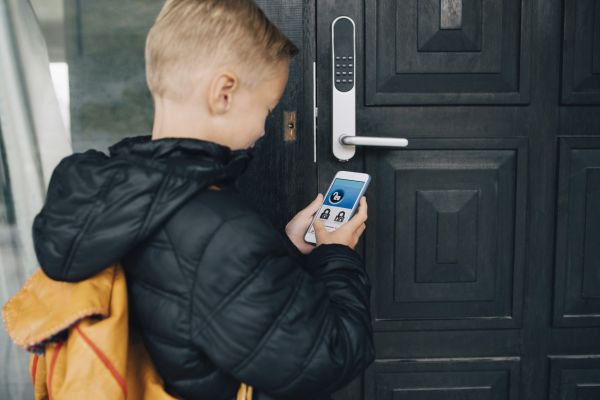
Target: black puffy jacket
(219, 294)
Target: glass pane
(96, 51)
(14, 379)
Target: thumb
(319, 226)
(314, 206)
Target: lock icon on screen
(325, 214)
(340, 217)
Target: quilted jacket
(219, 294)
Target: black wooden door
(483, 240)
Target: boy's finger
(319, 226)
(363, 211)
(353, 224)
(361, 229)
(361, 216)
(364, 208)
(313, 207)
(317, 200)
(357, 234)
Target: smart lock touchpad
(343, 48)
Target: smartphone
(341, 201)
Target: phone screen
(338, 203)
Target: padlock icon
(325, 214)
(340, 217)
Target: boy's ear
(220, 92)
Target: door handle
(372, 141)
(343, 60)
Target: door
(483, 238)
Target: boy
(219, 296)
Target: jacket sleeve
(294, 331)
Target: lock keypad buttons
(344, 71)
(343, 48)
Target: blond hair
(193, 34)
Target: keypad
(343, 50)
(344, 72)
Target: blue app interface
(338, 203)
(343, 193)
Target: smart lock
(344, 84)
(343, 59)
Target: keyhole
(289, 126)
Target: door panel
(581, 56)
(482, 240)
(577, 290)
(447, 252)
(575, 378)
(450, 379)
(446, 52)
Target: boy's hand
(296, 228)
(349, 233)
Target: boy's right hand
(349, 233)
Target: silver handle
(343, 75)
(350, 140)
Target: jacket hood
(99, 207)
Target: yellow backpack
(81, 340)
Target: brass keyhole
(289, 126)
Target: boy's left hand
(296, 228)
